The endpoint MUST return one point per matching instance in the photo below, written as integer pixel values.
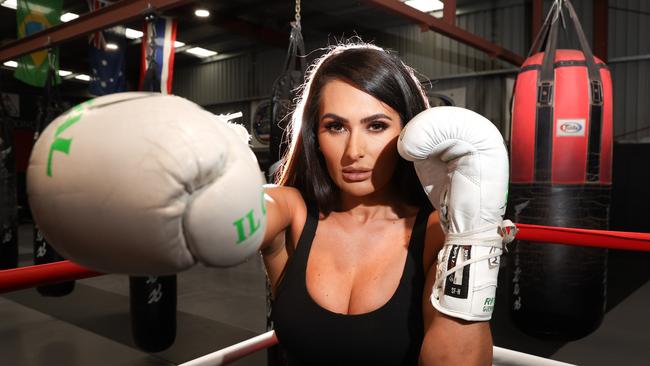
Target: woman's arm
(280, 202)
(284, 205)
(447, 340)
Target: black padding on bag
(558, 291)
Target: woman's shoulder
(288, 199)
(283, 192)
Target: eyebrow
(363, 120)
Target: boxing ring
(501, 356)
(44, 274)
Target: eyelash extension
(333, 126)
(336, 127)
(377, 126)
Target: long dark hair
(376, 72)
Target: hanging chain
(297, 17)
(151, 39)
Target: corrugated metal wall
(451, 65)
(239, 78)
(629, 61)
(434, 56)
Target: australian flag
(157, 66)
(107, 57)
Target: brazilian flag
(33, 16)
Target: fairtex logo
(570, 127)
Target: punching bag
(283, 92)
(561, 163)
(153, 312)
(153, 299)
(8, 199)
(50, 108)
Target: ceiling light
(68, 17)
(11, 4)
(11, 64)
(426, 6)
(64, 73)
(202, 13)
(83, 77)
(111, 46)
(133, 34)
(201, 52)
(178, 44)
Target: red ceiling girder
(121, 12)
(449, 12)
(427, 21)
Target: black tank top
(312, 335)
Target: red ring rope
(584, 237)
(42, 274)
(45, 274)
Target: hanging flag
(157, 65)
(107, 62)
(97, 38)
(106, 55)
(33, 16)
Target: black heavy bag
(153, 312)
(8, 199)
(43, 254)
(561, 160)
(153, 299)
(283, 92)
(51, 107)
(283, 95)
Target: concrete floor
(219, 307)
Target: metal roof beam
(121, 12)
(427, 21)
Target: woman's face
(357, 135)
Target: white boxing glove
(462, 164)
(146, 184)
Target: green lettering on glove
(63, 144)
(253, 225)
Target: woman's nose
(355, 148)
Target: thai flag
(157, 65)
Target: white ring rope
(501, 356)
(236, 351)
(508, 357)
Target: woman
(351, 241)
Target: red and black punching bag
(561, 164)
